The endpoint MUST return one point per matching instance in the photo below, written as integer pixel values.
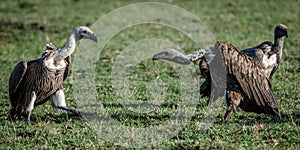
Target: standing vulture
(271, 51)
(266, 55)
(35, 82)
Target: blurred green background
(26, 26)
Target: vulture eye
(84, 31)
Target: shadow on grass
(253, 119)
(35, 118)
(239, 117)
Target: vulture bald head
(83, 32)
(281, 31)
(173, 55)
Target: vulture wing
(254, 83)
(68, 67)
(218, 71)
(264, 46)
(16, 77)
(205, 88)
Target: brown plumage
(248, 85)
(266, 49)
(35, 82)
(245, 83)
(22, 82)
(240, 92)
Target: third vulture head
(280, 31)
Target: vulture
(34, 82)
(266, 56)
(271, 51)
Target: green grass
(25, 27)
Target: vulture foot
(277, 113)
(28, 118)
(74, 111)
(227, 115)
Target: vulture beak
(287, 34)
(156, 57)
(173, 56)
(94, 38)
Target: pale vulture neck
(67, 50)
(278, 44)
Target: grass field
(27, 26)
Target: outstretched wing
(15, 78)
(264, 47)
(218, 72)
(254, 83)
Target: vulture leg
(276, 112)
(233, 99)
(59, 101)
(227, 115)
(30, 107)
(228, 109)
